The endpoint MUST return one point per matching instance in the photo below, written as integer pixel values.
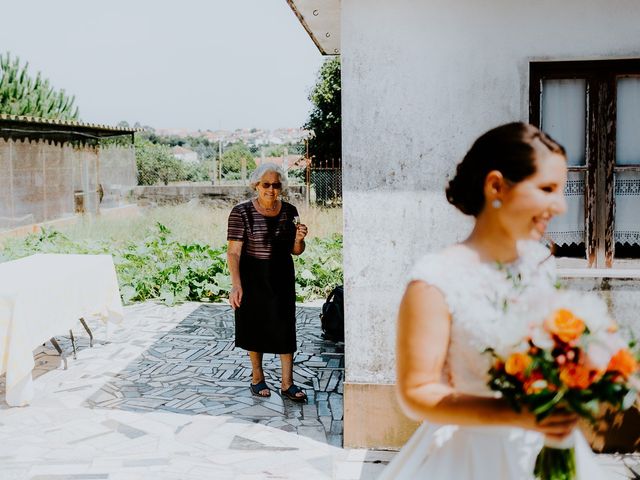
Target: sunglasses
(275, 185)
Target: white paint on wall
(421, 80)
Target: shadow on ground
(195, 369)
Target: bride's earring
(496, 203)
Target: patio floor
(195, 369)
(165, 396)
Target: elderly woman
(263, 233)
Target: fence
(324, 183)
(325, 186)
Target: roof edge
(67, 123)
(306, 27)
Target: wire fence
(325, 186)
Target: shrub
(161, 267)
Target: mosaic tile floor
(195, 369)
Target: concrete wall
(215, 195)
(36, 182)
(42, 181)
(118, 173)
(421, 80)
(85, 176)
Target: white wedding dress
(486, 301)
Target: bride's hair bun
(509, 149)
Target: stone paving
(165, 396)
(195, 369)
(99, 420)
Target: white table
(45, 295)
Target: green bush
(160, 267)
(232, 160)
(156, 164)
(319, 268)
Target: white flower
(539, 384)
(600, 347)
(516, 326)
(541, 338)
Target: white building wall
(421, 80)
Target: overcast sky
(197, 64)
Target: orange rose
(517, 364)
(564, 325)
(623, 362)
(575, 375)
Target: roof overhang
(321, 20)
(15, 126)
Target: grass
(189, 224)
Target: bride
(512, 181)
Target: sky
(194, 64)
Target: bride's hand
(556, 426)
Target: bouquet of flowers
(575, 361)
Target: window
(593, 109)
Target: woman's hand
(556, 426)
(298, 244)
(235, 297)
(301, 232)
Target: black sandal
(291, 392)
(258, 387)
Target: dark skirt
(266, 318)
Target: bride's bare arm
(424, 327)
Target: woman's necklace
(267, 209)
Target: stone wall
(218, 195)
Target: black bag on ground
(332, 316)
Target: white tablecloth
(45, 295)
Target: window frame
(600, 144)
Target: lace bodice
(490, 305)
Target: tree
(156, 163)
(232, 161)
(22, 95)
(274, 151)
(197, 172)
(325, 117)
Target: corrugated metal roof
(101, 130)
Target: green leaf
(167, 297)
(544, 409)
(128, 293)
(307, 275)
